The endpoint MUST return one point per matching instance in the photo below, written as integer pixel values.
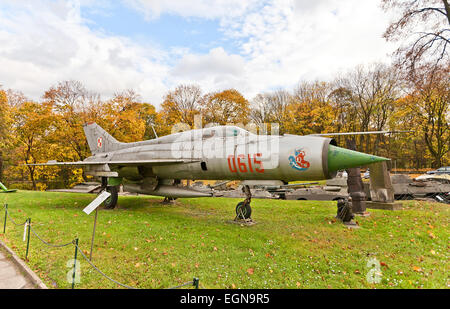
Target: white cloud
(193, 8)
(285, 41)
(280, 42)
(42, 47)
(216, 62)
(292, 40)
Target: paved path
(10, 275)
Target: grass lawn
(295, 244)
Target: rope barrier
(16, 224)
(100, 272)
(49, 244)
(11, 219)
(194, 282)
(182, 285)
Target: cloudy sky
(151, 46)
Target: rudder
(99, 140)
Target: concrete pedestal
(385, 206)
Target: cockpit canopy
(225, 131)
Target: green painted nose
(341, 158)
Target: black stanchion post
(74, 263)
(195, 283)
(6, 215)
(28, 237)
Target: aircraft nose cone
(341, 158)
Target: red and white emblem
(99, 142)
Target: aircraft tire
(111, 202)
(246, 210)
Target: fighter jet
(157, 166)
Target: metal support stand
(28, 237)
(6, 216)
(104, 182)
(74, 263)
(355, 186)
(169, 200)
(345, 213)
(93, 234)
(195, 283)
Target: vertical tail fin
(99, 140)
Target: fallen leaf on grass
(417, 269)
(250, 271)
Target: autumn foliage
(370, 98)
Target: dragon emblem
(298, 162)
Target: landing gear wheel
(243, 210)
(111, 202)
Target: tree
(225, 107)
(125, 118)
(271, 108)
(15, 98)
(428, 42)
(148, 114)
(310, 110)
(431, 103)
(74, 106)
(5, 122)
(181, 105)
(369, 93)
(33, 124)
